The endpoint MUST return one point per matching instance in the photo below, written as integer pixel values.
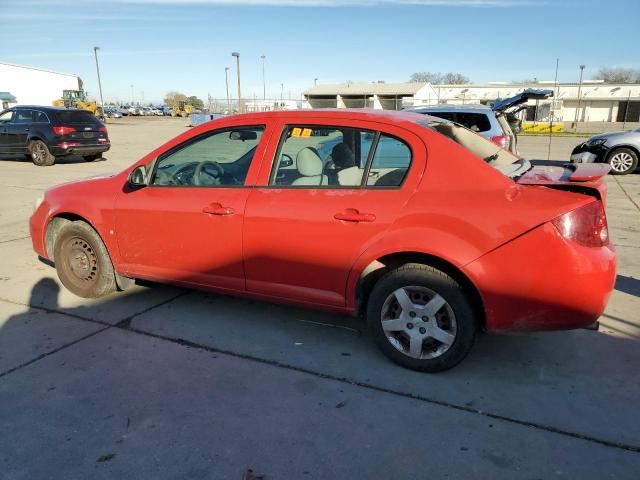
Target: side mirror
(285, 160)
(138, 177)
(243, 135)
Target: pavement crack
(626, 193)
(55, 350)
(376, 388)
(15, 239)
(126, 322)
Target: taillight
(63, 130)
(585, 225)
(501, 140)
(103, 129)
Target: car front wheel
(622, 161)
(40, 154)
(421, 318)
(82, 261)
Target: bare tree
(449, 78)
(618, 75)
(452, 78)
(425, 77)
(172, 98)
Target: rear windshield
(476, 144)
(76, 116)
(478, 122)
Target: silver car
(492, 121)
(619, 149)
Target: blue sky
(162, 45)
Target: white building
(35, 86)
(380, 95)
(599, 101)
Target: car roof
(469, 107)
(47, 108)
(347, 113)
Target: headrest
(308, 162)
(342, 156)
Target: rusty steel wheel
(82, 261)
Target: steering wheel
(200, 169)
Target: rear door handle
(217, 209)
(355, 216)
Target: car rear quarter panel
(463, 209)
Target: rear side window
(390, 163)
(74, 116)
(40, 117)
(22, 116)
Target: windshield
(476, 144)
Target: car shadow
(67, 160)
(628, 285)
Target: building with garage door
(591, 101)
(33, 85)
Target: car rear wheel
(40, 154)
(82, 261)
(622, 161)
(91, 158)
(421, 318)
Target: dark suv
(44, 133)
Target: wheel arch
(377, 268)
(634, 148)
(55, 225)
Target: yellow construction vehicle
(76, 99)
(181, 109)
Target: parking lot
(161, 382)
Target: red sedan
(428, 229)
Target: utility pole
(95, 53)
(281, 93)
(315, 82)
(237, 55)
(226, 80)
(264, 82)
(575, 121)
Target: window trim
(394, 187)
(363, 184)
(190, 141)
(48, 122)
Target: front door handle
(218, 209)
(355, 216)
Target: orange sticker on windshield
(306, 132)
(296, 132)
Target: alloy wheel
(418, 322)
(621, 162)
(38, 152)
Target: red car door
(186, 226)
(314, 215)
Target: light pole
(281, 92)
(575, 120)
(132, 95)
(315, 82)
(264, 82)
(237, 55)
(226, 81)
(95, 53)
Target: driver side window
(6, 116)
(218, 158)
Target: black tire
(463, 326)
(40, 155)
(91, 158)
(82, 261)
(623, 161)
